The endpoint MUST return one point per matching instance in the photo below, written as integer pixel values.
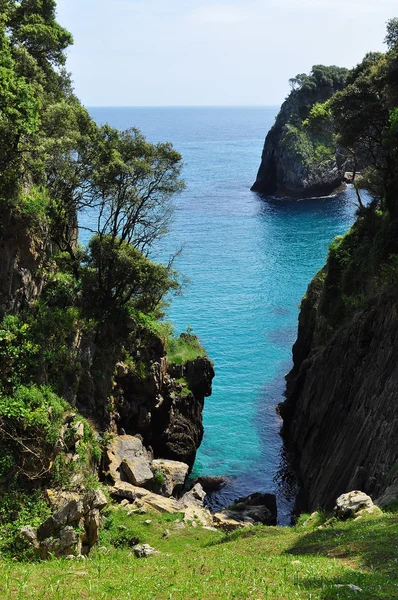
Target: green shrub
(159, 478)
(185, 348)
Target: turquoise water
(249, 260)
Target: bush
(30, 425)
(185, 348)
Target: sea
(249, 260)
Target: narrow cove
(249, 260)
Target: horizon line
(182, 105)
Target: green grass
(182, 349)
(262, 563)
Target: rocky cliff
(23, 253)
(341, 412)
(165, 406)
(295, 160)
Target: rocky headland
(296, 160)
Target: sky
(212, 52)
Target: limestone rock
(95, 499)
(223, 521)
(354, 504)
(174, 474)
(73, 528)
(195, 497)
(123, 447)
(195, 514)
(30, 535)
(127, 491)
(143, 550)
(159, 504)
(137, 472)
(66, 543)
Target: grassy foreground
(194, 563)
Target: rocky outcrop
(73, 529)
(341, 414)
(295, 162)
(127, 460)
(165, 407)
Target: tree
(117, 275)
(391, 38)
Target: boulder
(172, 475)
(127, 491)
(65, 544)
(143, 550)
(211, 484)
(29, 535)
(354, 504)
(195, 497)
(226, 522)
(137, 472)
(195, 514)
(159, 504)
(123, 448)
(256, 508)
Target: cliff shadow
(365, 554)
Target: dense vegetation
(313, 145)
(363, 264)
(90, 306)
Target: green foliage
(185, 348)
(19, 509)
(30, 425)
(312, 149)
(391, 38)
(360, 266)
(159, 478)
(117, 275)
(35, 409)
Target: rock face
(341, 413)
(290, 163)
(22, 254)
(166, 412)
(73, 529)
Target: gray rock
(123, 447)
(174, 474)
(143, 550)
(256, 508)
(195, 497)
(354, 504)
(137, 472)
(30, 535)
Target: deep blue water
(249, 261)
